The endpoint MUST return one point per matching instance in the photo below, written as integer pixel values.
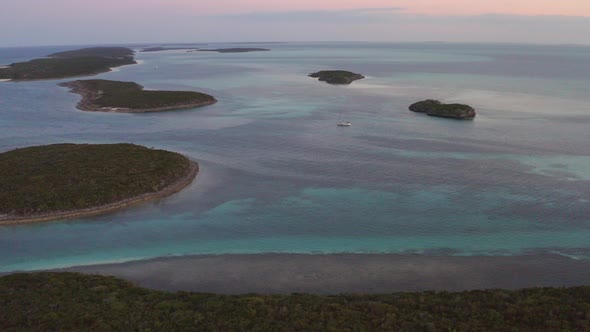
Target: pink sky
(441, 7)
(34, 22)
(33, 8)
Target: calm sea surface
(278, 175)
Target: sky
(71, 22)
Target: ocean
(278, 176)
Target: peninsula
(235, 50)
(116, 96)
(62, 181)
(435, 108)
(82, 62)
(336, 76)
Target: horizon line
(131, 44)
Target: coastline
(169, 190)
(88, 97)
(94, 73)
(280, 273)
(117, 69)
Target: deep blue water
(278, 175)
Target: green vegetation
(65, 177)
(88, 61)
(436, 108)
(75, 302)
(104, 95)
(336, 76)
(107, 52)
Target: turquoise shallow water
(279, 176)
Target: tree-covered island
(72, 180)
(83, 62)
(337, 76)
(116, 96)
(435, 108)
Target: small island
(435, 108)
(336, 76)
(235, 50)
(130, 97)
(83, 62)
(159, 49)
(61, 181)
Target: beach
(346, 273)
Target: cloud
(396, 24)
(382, 24)
(361, 15)
(507, 18)
(373, 15)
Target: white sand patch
(116, 69)
(5, 80)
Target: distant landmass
(337, 76)
(105, 52)
(115, 96)
(234, 50)
(82, 62)
(158, 49)
(72, 180)
(435, 108)
(195, 49)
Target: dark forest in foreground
(76, 302)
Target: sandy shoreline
(88, 98)
(94, 73)
(346, 273)
(171, 189)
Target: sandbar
(346, 273)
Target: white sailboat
(343, 123)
